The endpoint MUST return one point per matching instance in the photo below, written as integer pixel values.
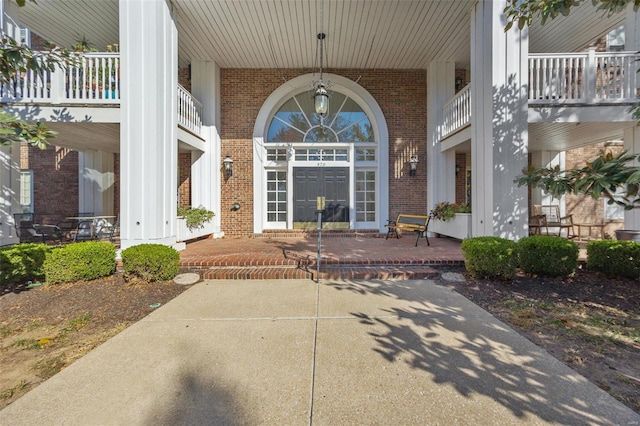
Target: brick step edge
(334, 272)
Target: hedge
(490, 257)
(547, 255)
(150, 262)
(80, 261)
(614, 258)
(22, 262)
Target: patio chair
(84, 231)
(554, 220)
(110, 231)
(536, 223)
(29, 232)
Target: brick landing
(354, 257)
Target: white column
(205, 168)
(440, 166)
(498, 123)
(632, 146)
(95, 182)
(148, 129)
(547, 159)
(9, 191)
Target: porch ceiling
(564, 136)
(282, 33)
(87, 136)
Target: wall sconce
(235, 207)
(413, 163)
(228, 162)
(458, 84)
(457, 169)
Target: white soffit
(401, 34)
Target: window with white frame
(614, 211)
(277, 196)
(365, 196)
(26, 191)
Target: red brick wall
(55, 176)
(461, 173)
(183, 78)
(402, 95)
(116, 184)
(585, 209)
(184, 179)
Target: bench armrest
(391, 222)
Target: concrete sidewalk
(296, 353)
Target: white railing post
(189, 111)
(57, 86)
(590, 76)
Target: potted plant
(451, 219)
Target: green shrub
(614, 258)
(22, 262)
(547, 255)
(150, 262)
(490, 257)
(80, 261)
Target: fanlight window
(297, 121)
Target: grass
(49, 367)
(22, 386)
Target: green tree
(523, 12)
(604, 176)
(16, 60)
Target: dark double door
(313, 182)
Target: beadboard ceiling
(282, 33)
(403, 34)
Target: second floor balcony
(92, 80)
(564, 80)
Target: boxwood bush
(547, 255)
(22, 262)
(614, 258)
(490, 257)
(80, 261)
(150, 262)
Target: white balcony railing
(583, 78)
(189, 111)
(91, 78)
(456, 113)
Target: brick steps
(371, 272)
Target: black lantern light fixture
(321, 96)
(457, 169)
(413, 164)
(228, 163)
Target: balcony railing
(91, 78)
(456, 113)
(189, 111)
(583, 78)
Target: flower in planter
(445, 211)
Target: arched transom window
(297, 122)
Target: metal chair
(84, 231)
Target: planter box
(459, 226)
(186, 234)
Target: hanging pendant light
(321, 96)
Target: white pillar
(440, 166)
(148, 129)
(95, 182)
(548, 159)
(9, 191)
(632, 146)
(498, 123)
(205, 168)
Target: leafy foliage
(445, 211)
(490, 257)
(22, 262)
(614, 258)
(601, 177)
(195, 217)
(80, 261)
(150, 262)
(523, 12)
(547, 255)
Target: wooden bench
(409, 222)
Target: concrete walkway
(294, 352)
